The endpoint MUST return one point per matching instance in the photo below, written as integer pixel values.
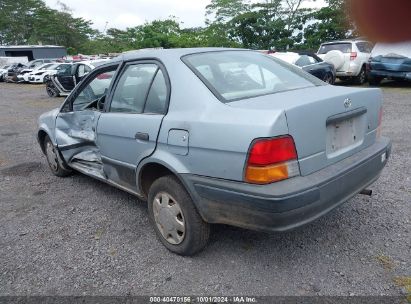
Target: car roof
(345, 41)
(164, 53)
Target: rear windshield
(342, 47)
(234, 75)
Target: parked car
(41, 74)
(64, 81)
(3, 72)
(38, 62)
(390, 61)
(350, 58)
(204, 138)
(13, 72)
(23, 76)
(310, 63)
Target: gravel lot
(78, 236)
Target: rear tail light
(271, 160)
(353, 55)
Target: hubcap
(169, 218)
(51, 156)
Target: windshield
(64, 69)
(43, 67)
(342, 47)
(53, 66)
(393, 49)
(234, 75)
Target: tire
(51, 153)
(51, 90)
(329, 78)
(175, 219)
(374, 81)
(362, 77)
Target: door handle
(142, 136)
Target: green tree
(222, 11)
(270, 23)
(17, 19)
(329, 23)
(31, 21)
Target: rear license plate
(344, 135)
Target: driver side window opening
(94, 90)
(140, 89)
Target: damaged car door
(76, 123)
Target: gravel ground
(78, 236)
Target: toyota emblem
(347, 103)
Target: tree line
(262, 24)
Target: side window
(80, 70)
(95, 89)
(87, 69)
(83, 70)
(132, 88)
(364, 47)
(361, 47)
(157, 96)
(312, 59)
(303, 61)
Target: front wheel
(52, 159)
(175, 218)
(51, 89)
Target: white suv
(349, 58)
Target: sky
(129, 13)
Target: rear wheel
(175, 219)
(53, 160)
(362, 77)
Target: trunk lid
(327, 123)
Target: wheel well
(42, 135)
(149, 173)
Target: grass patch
(404, 282)
(385, 261)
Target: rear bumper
(390, 74)
(353, 70)
(288, 204)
